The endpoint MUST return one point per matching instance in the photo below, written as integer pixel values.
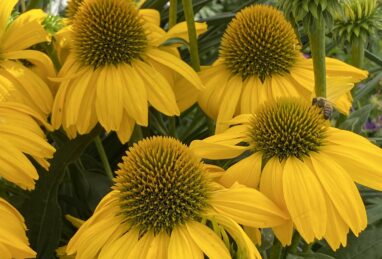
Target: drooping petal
(182, 245)
(229, 103)
(215, 80)
(207, 240)
(160, 93)
(159, 247)
(361, 159)
(244, 242)
(304, 199)
(345, 196)
(136, 102)
(336, 230)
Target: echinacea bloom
(14, 243)
(21, 135)
(19, 82)
(114, 70)
(303, 161)
(162, 201)
(260, 60)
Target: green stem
(172, 13)
(23, 7)
(33, 4)
(317, 47)
(276, 250)
(358, 52)
(103, 156)
(295, 241)
(307, 247)
(189, 14)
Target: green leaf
(374, 211)
(357, 119)
(42, 211)
(367, 245)
(372, 57)
(368, 88)
(309, 256)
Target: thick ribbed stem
(103, 156)
(189, 14)
(358, 52)
(317, 47)
(172, 13)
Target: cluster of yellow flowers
(294, 171)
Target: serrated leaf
(42, 211)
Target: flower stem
(317, 47)
(172, 13)
(103, 156)
(295, 241)
(276, 250)
(23, 7)
(189, 15)
(358, 52)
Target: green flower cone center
(259, 42)
(108, 32)
(288, 127)
(162, 185)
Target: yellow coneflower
(21, 135)
(115, 70)
(259, 60)
(163, 199)
(303, 160)
(13, 240)
(19, 82)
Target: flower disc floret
(289, 127)
(108, 32)
(162, 185)
(72, 8)
(259, 42)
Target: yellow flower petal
(304, 199)
(244, 243)
(180, 30)
(177, 65)
(215, 151)
(25, 31)
(136, 102)
(182, 245)
(230, 101)
(361, 159)
(247, 171)
(160, 93)
(248, 207)
(150, 15)
(160, 247)
(337, 230)
(5, 11)
(207, 240)
(345, 196)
